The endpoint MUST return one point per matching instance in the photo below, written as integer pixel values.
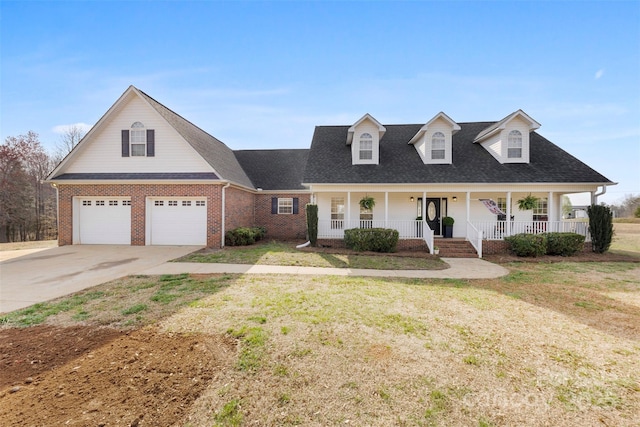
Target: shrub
(312, 223)
(564, 244)
(527, 244)
(371, 239)
(600, 227)
(447, 220)
(243, 236)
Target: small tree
(312, 223)
(600, 227)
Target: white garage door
(176, 221)
(102, 221)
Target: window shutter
(151, 143)
(295, 205)
(125, 143)
(274, 205)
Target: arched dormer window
(437, 146)
(514, 145)
(138, 139)
(366, 146)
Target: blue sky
(263, 74)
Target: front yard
(549, 344)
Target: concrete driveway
(43, 275)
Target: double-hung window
(285, 206)
(337, 213)
(138, 139)
(514, 145)
(366, 146)
(437, 146)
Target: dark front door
(432, 215)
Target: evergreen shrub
(371, 239)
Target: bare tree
(25, 201)
(68, 140)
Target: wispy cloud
(599, 73)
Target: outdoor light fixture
(455, 199)
(411, 199)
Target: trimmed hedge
(371, 239)
(243, 236)
(533, 245)
(524, 244)
(564, 244)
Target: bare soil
(87, 375)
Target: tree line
(28, 205)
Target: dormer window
(366, 147)
(434, 140)
(438, 146)
(514, 145)
(138, 139)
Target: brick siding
(138, 194)
(284, 227)
(243, 209)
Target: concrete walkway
(461, 268)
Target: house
(143, 175)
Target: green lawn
(549, 344)
(275, 253)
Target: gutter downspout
(224, 209)
(594, 196)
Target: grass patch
(229, 415)
(38, 313)
(149, 298)
(134, 309)
(275, 253)
(252, 347)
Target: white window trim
(365, 139)
(138, 138)
(285, 206)
(440, 139)
(514, 142)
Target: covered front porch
(420, 215)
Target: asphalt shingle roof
(274, 169)
(330, 160)
(214, 151)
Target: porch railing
(334, 229)
(474, 236)
(498, 230)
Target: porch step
(455, 248)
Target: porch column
(386, 208)
(424, 206)
(508, 227)
(550, 210)
(468, 206)
(348, 209)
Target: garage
(102, 221)
(176, 221)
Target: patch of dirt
(86, 375)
